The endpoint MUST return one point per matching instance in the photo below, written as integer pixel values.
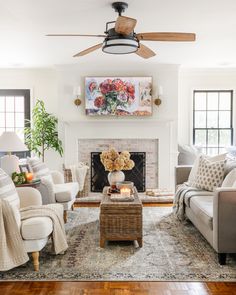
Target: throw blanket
(180, 195)
(78, 173)
(58, 234)
(12, 247)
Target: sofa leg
(73, 207)
(35, 256)
(222, 258)
(65, 216)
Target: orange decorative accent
(125, 192)
(29, 176)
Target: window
(14, 110)
(212, 120)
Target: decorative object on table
(43, 134)
(10, 142)
(119, 96)
(24, 168)
(157, 192)
(29, 176)
(77, 94)
(114, 162)
(125, 184)
(19, 178)
(120, 37)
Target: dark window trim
(27, 110)
(205, 110)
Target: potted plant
(42, 134)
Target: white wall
(199, 79)
(43, 85)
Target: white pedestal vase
(115, 176)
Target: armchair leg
(222, 258)
(65, 216)
(35, 256)
(73, 207)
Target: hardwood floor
(117, 288)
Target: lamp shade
(10, 142)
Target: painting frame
(24, 168)
(120, 96)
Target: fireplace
(137, 175)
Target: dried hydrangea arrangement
(114, 161)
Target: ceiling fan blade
(88, 50)
(74, 35)
(145, 52)
(125, 25)
(167, 36)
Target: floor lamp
(10, 142)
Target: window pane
(10, 104)
(200, 137)
(225, 101)
(200, 119)
(212, 119)
(222, 151)
(224, 119)
(19, 104)
(2, 103)
(204, 150)
(225, 138)
(20, 120)
(212, 151)
(10, 129)
(2, 119)
(10, 120)
(212, 138)
(2, 130)
(200, 100)
(212, 101)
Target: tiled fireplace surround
(156, 138)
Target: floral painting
(118, 96)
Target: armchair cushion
(36, 228)
(66, 192)
(39, 169)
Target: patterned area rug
(172, 251)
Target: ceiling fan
(120, 37)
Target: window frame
(27, 111)
(218, 111)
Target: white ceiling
(24, 23)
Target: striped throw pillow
(39, 169)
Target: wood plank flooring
(117, 288)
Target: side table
(33, 184)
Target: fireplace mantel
(164, 131)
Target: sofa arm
(29, 196)
(57, 177)
(224, 220)
(181, 174)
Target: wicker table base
(121, 221)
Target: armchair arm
(46, 189)
(182, 173)
(57, 177)
(29, 196)
(224, 220)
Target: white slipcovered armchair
(57, 191)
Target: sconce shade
(77, 90)
(10, 142)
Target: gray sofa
(214, 216)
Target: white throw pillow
(187, 154)
(193, 173)
(39, 169)
(210, 174)
(230, 179)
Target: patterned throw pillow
(39, 169)
(210, 174)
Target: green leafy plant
(41, 134)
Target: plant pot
(115, 176)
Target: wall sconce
(77, 93)
(157, 101)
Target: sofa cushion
(66, 192)
(230, 179)
(39, 169)
(192, 194)
(210, 174)
(36, 228)
(202, 207)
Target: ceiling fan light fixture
(120, 45)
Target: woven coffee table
(121, 221)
